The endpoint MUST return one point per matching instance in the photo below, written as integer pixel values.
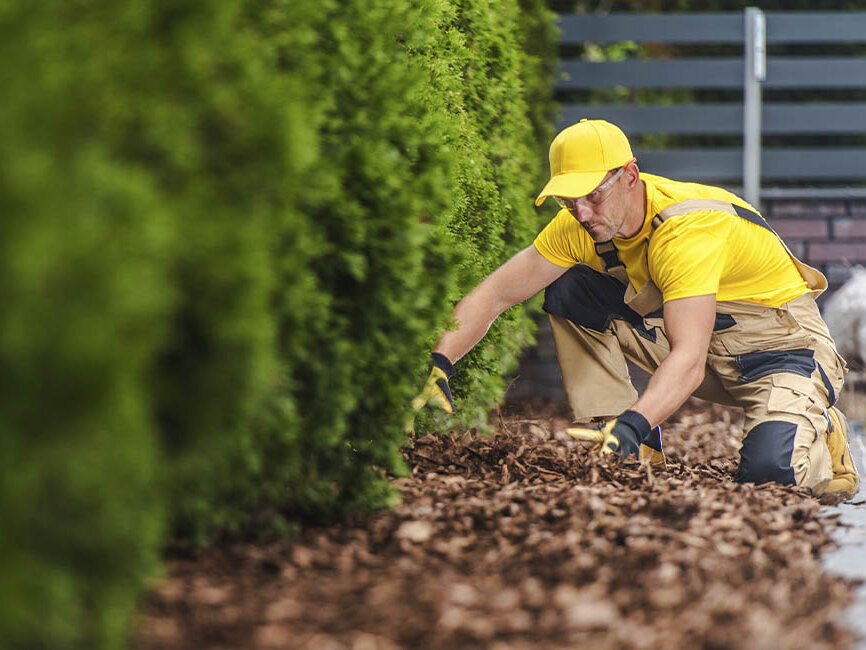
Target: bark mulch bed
(524, 539)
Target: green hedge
(85, 301)
(141, 183)
(231, 232)
(427, 161)
(360, 278)
(502, 99)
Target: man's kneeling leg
(767, 452)
(790, 452)
(783, 452)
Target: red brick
(801, 208)
(845, 228)
(837, 252)
(800, 228)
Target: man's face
(602, 211)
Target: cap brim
(571, 184)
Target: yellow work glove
(628, 434)
(436, 391)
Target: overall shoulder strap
(612, 264)
(694, 205)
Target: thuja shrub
(426, 164)
(231, 232)
(539, 39)
(353, 319)
(141, 183)
(415, 180)
(85, 298)
(495, 81)
(226, 148)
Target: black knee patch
(766, 454)
(592, 299)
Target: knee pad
(766, 454)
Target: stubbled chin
(597, 234)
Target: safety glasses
(598, 195)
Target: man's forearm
(670, 386)
(474, 316)
(519, 278)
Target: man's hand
(628, 434)
(436, 391)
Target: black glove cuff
(442, 362)
(637, 422)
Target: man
(690, 283)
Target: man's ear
(632, 174)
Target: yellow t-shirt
(695, 254)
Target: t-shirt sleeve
(687, 254)
(560, 241)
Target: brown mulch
(524, 539)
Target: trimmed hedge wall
(231, 232)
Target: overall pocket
(754, 365)
(769, 329)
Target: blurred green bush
(231, 232)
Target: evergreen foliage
(426, 164)
(86, 299)
(501, 166)
(231, 232)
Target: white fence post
(755, 73)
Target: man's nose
(584, 212)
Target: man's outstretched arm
(516, 280)
(519, 278)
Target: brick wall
(829, 234)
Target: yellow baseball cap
(581, 155)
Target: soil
(526, 539)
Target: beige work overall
(778, 363)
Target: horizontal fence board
(776, 164)
(692, 164)
(676, 118)
(792, 193)
(723, 119)
(707, 27)
(816, 27)
(817, 72)
(783, 118)
(716, 119)
(806, 163)
(718, 72)
(681, 73)
(712, 27)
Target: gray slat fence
(751, 115)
